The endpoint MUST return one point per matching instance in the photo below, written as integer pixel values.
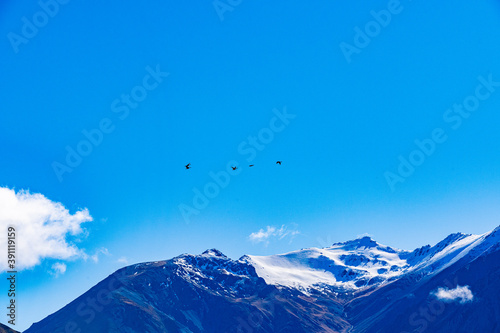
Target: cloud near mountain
(461, 294)
(272, 232)
(44, 228)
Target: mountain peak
(365, 241)
(452, 238)
(213, 253)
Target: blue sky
(353, 117)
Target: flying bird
(251, 165)
(278, 162)
(234, 168)
(187, 166)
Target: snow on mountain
(344, 266)
(353, 265)
(432, 260)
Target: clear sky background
(226, 76)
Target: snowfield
(362, 262)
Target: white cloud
(122, 260)
(461, 294)
(58, 268)
(95, 256)
(272, 232)
(43, 228)
(262, 235)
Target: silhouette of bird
(278, 162)
(251, 165)
(234, 168)
(187, 166)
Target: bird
(187, 166)
(234, 168)
(251, 165)
(278, 162)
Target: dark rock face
(193, 294)
(212, 293)
(6, 329)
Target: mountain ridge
(341, 288)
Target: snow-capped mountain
(344, 266)
(355, 286)
(363, 262)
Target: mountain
(6, 329)
(343, 267)
(354, 286)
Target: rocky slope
(6, 329)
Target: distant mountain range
(355, 286)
